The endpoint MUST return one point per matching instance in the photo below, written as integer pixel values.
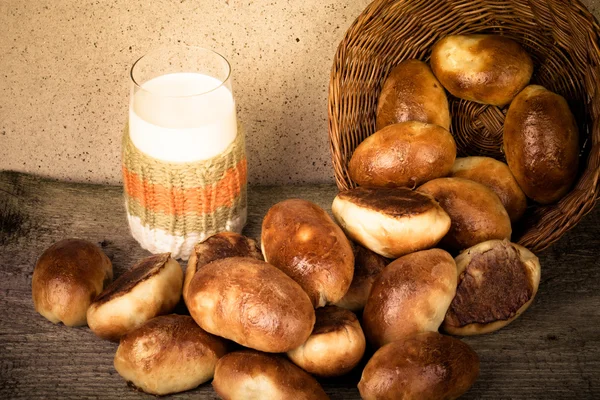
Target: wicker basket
(561, 36)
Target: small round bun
(497, 281)
(150, 288)
(367, 265)
(497, 176)
(335, 346)
(487, 69)
(391, 221)
(407, 154)
(541, 143)
(412, 93)
(168, 354)
(301, 239)
(409, 296)
(66, 279)
(252, 303)
(221, 245)
(427, 366)
(476, 212)
(253, 375)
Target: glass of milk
(184, 163)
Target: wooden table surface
(552, 351)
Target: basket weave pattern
(172, 206)
(562, 38)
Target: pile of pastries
(421, 245)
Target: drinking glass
(184, 161)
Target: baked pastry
(497, 176)
(253, 375)
(403, 155)
(221, 245)
(66, 279)
(299, 238)
(541, 143)
(150, 288)
(252, 303)
(426, 366)
(390, 221)
(367, 265)
(168, 354)
(497, 281)
(476, 212)
(412, 93)
(335, 346)
(487, 69)
(409, 296)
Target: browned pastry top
(493, 287)
(141, 271)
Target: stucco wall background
(64, 83)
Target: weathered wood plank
(552, 351)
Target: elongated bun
(168, 354)
(252, 303)
(391, 221)
(497, 282)
(66, 279)
(150, 288)
(335, 346)
(254, 375)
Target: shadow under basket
(562, 38)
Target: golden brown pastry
(410, 295)
(476, 212)
(300, 238)
(403, 155)
(66, 279)
(168, 354)
(335, 346)
(497, 281)
(252, 303)
(251, 375)
(497, 176)
(412, 93)
(151, 287)
(367, 265)
(391, 221)
(427, 366)
(541, 143)
(487, 69)
(221, 245)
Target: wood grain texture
(552, 351)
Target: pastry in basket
(221, 245)
(541, 143)
(301, 239)
(335, 346)
(391, 221)
(497, 281)
(66, 279)
(151, 287)
(410, 295)
(476, 212)
(497, 176)
(407, 154)
(412, 93)
(254, 375)
(487, 69)
(426, 366)
(168, 354)
(367, 265)
(252, 303)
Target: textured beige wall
(64, 82)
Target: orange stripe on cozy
(180, 201)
